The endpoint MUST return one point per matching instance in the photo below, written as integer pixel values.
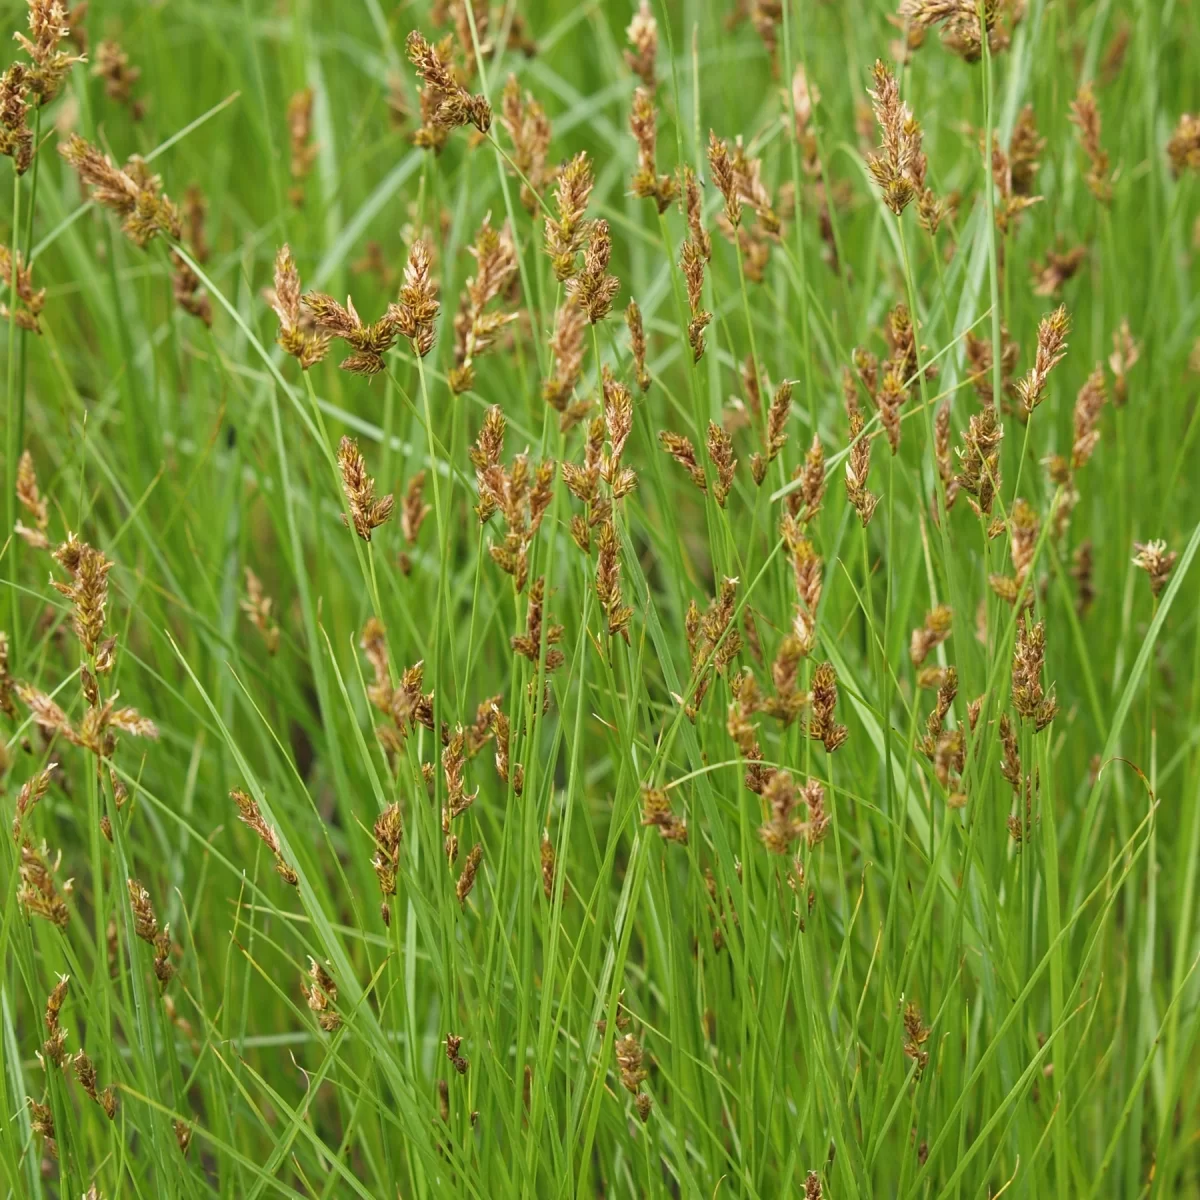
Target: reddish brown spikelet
(52, 1047)
(822, 725)
(416, 314)
(37, 892)
(296, 336)
(657, 812)
(1157, 561)
(812, 1186)
(916, 1034)
(637, 344)
(527, 125)
(805, 502)
(1029, 656)
(368, 343)
(1183, 148)
(88, 593)
(17, 276)
(1051, 349)
(1085, 116)
(1088, 405)
(680, 448)
(720, 450)
(320, 993)
(858, 468)
(131, 192)
(593, 288)
(366, 512)
(251, 815)
(1126, 353)
(547, 859)
(630, 1063)
(721, 168)
(48, 26)
(691, 263)
(1048, 280)
(188, 290)
(693, 207)
(389, 829)
(476, 328)
(303, 148)
(33, 502)
(782, 826)
(466, 881)
(979, 459)
(608, 582)
(938, 623)
(85, 1072)
(448, 103)
(32, 792)
(567, 346)
(647, 183)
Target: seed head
(656, 812)
(132, 191)
(642, 55)
(721, 168)
(899, 153)
(1157, 561)
(37, 892)
(251, 815)
(565, 236)
(1085, 116)
(18, 278)
(366, 512)
(445, 102)
(858, 468)
(1183, 149)
(647, 183)
(593, 289)
(296, 336)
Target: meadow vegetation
(597, 598)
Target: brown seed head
(1157, 561)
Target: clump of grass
(653, 810)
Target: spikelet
(637, 344)
(37, 892)
(1085, 116)
(18, 279)
(146, 927)
(642, 55)
(258, 606)
(1051, 349)
(32, 792)
(112, 65)
(565, 236)
(386, 860)
(366, 512)
(593, 288)
(1183, 148)
(528, 127)
(251, 815)
(475, 328)
(858, 468)
(445, 103)
(297, 335)
(1157, 561)
(892, 165)
(656, 812)
(647, 183)
(320, 993)
(303, 149)
(131, 192)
